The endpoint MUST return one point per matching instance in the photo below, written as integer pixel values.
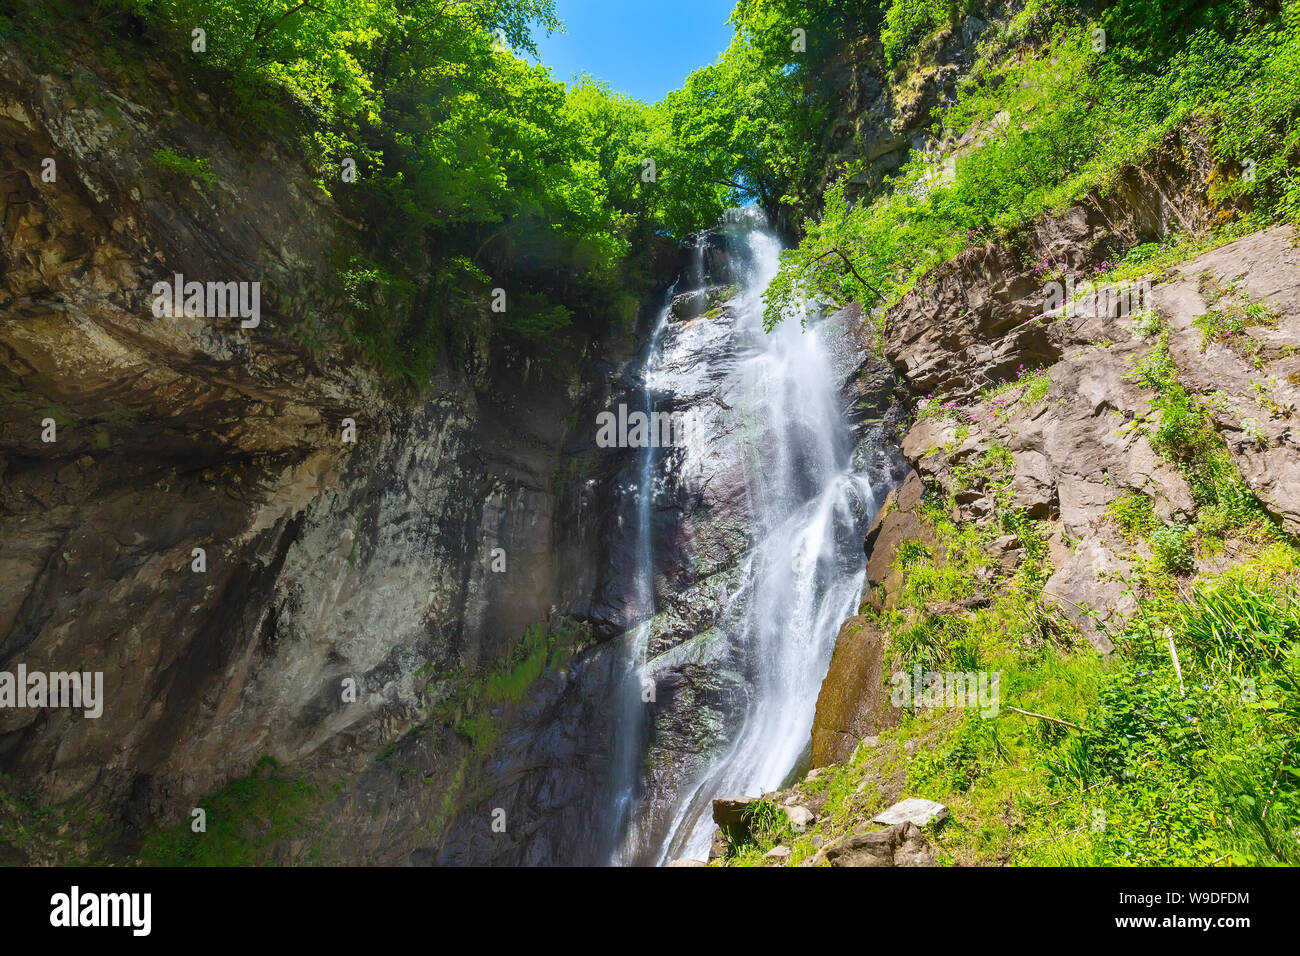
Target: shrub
(1147, 322)
(908, 21)
(1213, 521)
(1251, 432)
(1171, 550)
(1135, 515)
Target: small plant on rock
(1147, 323)
(1252, 433)
(1134, 514)
(1171, 550)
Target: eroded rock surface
(325, 561)
(1066, 450)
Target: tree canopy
(472, 158)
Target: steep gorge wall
(325, 560)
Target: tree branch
(849, 262)
(258, 33)
(1055, 720)
(732, 184)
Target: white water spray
(803, 575)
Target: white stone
(800, 817)
(915, 809)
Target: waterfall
(782, 427)
(631, 725)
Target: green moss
(191, 167)
(248, 822)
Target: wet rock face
(703, 522)
(854, 698)
(324, 561)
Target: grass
(1167, 764)
(996, 403)
(1182, 430)
(1163, 772)
(1134, 514)
(248, 822)
(1229, 320)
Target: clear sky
(640, 47)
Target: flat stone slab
(913, 810)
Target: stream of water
(800, 579)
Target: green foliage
(1162, 770)
(1135, 515)
(1147, 323)
(1230, 319)
(1240, 625)
(766, 822)
(739, 130)
(928, 579)
(1171, 550)
(1054, 125)
(908, 21)
(475, 169)
(1027, 389)
(188, 166)
(246, 821)
(966, 754)
(1186, 435)
(1209, 469)
(1199, 767)
(507, 681)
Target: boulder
(913, 810)
(687, 306)
(729, 813)
(778, 854)
(800, 817)
(900, 845)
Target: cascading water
(631, 721)
(802, 573)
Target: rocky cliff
(265, 549)
(1045, 446)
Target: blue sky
(640, 47)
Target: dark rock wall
(324, 560)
